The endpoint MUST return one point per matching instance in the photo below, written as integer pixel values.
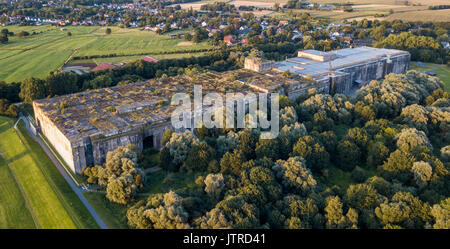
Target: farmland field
(385, 2)
(49, 198)
(49, 48)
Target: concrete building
(84, 127)
(346, 69)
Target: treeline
(136, 54)
(438, 7)
(422, 48)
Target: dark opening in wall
(148, 142)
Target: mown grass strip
(43, 200)
(75, 208)
(14, 211)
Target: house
(149, 59)
(230, 39)
(103, 66)
(283, 22)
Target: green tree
(32, 89)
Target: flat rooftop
(344, 58)
(118, 109)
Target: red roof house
(149, 59)
(103, 66)
(230, 39)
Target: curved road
(61, 170)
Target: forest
(377, 160)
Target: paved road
(60, 168)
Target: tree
(160, 211)
(361, 196)
(376, 154)
(410, 138)
(398, 166)
(232, 212)
(179, 146)
(422, 173)
(32, 89)
(348, 155)
(404, 210)
(214, 185)
(108, 31)
(316, 156)
(441, 214)
(3, 38)
(166, 137)
(198, 158)
(294, 175)
(334, 214)
(61, 83)
(267, 148)
(121, 189)
(120, 174)
(227, 143)
(231, 163)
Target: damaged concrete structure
(84, 127)
(342, 71)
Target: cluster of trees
(9, 94)
(198, 35)
(422, 48)
(4, 33)
(438, 7)
(391, 139)
(120, 175)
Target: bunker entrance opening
(148, 142)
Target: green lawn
(13, 209)
(162, 181)
(47, 50)
(114, 215)
(51, 201)
(443, 72)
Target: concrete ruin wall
(93, 150)
(58, 140)
(257, 64)
(368, 71)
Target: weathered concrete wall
(97, 148)
(370, 70)
(257, 64)
(58, 140)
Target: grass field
(14, 212)
(114, 215)
(50, 199)
(47, 50)
(423, 15)
(443, 72)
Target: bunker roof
(344, 58)
(110, 111)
